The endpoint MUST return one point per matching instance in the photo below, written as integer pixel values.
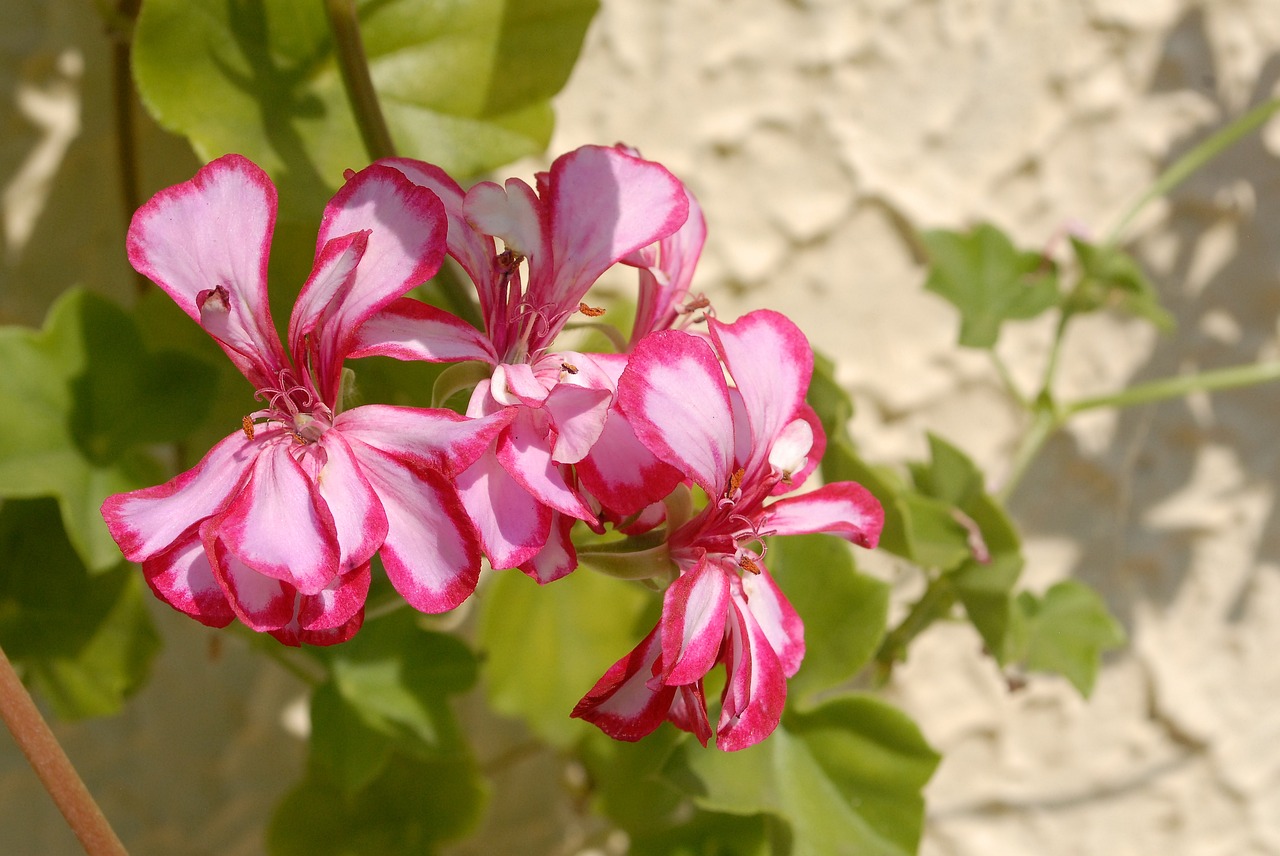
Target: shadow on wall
(1226, 318)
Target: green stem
(1186, 165)
(354, 66)
(60, 779)
(1045, 422)
(1176, 387)
(935, 603)
(123, 101)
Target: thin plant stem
(123, 104)
(354, 66)
(1193, 160)
(1176, 387)
(60, 779)
(936, 602)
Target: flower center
(292, 405)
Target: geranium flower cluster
(278, 524)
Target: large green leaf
(463, 83)
(1067, 631)
(990, 281)
(84, 642)
(846, 776)
(78, 400)
(844, 612)
(545, 647)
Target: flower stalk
(60, 779)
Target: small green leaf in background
(1110, 276)
(847, 777)
(390, 770)
(78, 400)
(990, 281)
(1067, 631)
(412, 808)
(83, 642)
(546, 646)
(465, 85)
(844, 612)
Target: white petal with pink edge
(512, 526)
(338, 603)
(510, 212)
(771, 363)
(676, 399)
(145, 522)
(846, 509)
(578, 416)
(279, 525)
(694, 611)
(755, 689)
(524, 451)
(358, 518)
(624, 703)
(409, 329)
(181, 577)
(263, 603)
(777, 618)
(437, 439)
(621, 472)
(407, 240)
(431, 553)
(605, 204)
(215, 231)
(557, 558)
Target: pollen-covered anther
(735, 481)
(570, 368)
(590, 311)
(749, 564)
(246, 425)
(509, 260)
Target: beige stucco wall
(812, 132)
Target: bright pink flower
(742, 444)
(595, 207)
(277, 524)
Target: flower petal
(146, 522)
(358, 518)
(512, 526)
(694, 611)
(663, 290)
(431, 553)
(525, 454)
(557, 558)
(409, 329)
(435, 439)
(407, 229)
(675, 396)
(279, 525)
(846, 509)
(214, 232)
(578, 415)
(771, 363)
(261, 602)
(755, 688)
(605, 204)
(337, 603)
(776, 617)
(182, 578)
(474, 251)
(626, 703)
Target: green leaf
(1110, 276)
(397, 677)
(345, 750)
(846, 776)
(84, 642)
(413, 807)
(711, 834)
(547, 646)
(626, 778)
(465, 85)
(988, 280)
(844, 612)
(77, 399)
(1067, 632)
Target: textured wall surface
(816, 133)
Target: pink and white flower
(278, 523)
(743, 445)
(595, 207)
